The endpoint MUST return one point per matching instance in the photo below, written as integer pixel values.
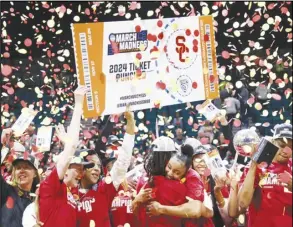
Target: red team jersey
(57, 205)
(121, 209)
(166, 192)
(273, 204)
(94, 205)
(195, 190)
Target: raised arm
(246, 192)
(72, 137)
(120, 167)
(233, 208)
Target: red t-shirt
(95, 204)
(166, 192)
(121, 209)
(57, 204)
(268, 208)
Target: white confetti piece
(51, 23)
(76, 18)
(22, 51)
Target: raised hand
(128, 114)
(61, 134)
(220, 182)
(79, 94)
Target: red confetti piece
(194, 85)
(161, 35)
(271, 6)
(160, 23)
(284, 10)
(150, 37)
(196, 33)
(212, 78)
(6, 70)
(138, 56)
(206, 38)
(9, 202)
(10, 91)
(28, 42)
(225, 54)
(195, 42)
(188, 32)
(137, 28)
(195, 49)
(256, 18)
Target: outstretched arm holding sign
(72, 137)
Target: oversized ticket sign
(145, 64)
(44, 136)
(23, 121)
(215, 163)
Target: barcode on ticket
(209, 49)
(86, 70)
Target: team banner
(145, 63)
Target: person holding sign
(57, 207)
(267, 190)
(95, 194)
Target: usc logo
(181, 48)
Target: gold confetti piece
(205, 10)
(142, 47)
(258, 106)
(175, 26)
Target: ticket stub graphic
(146, 64)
